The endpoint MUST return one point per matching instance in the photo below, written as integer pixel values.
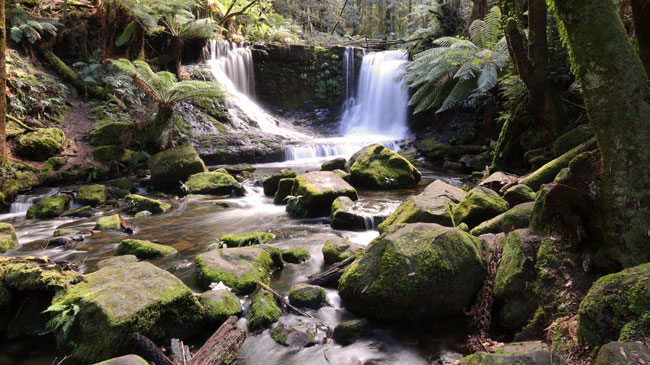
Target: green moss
(264, 311)
(546, 260)
(571, 139)
(79, 212)
(270, 184)
(247, 239)
(124, 184)
(109, 134)
(220, 305)
(479, 205)
(350, 331)
(64, 232)
(170, 167)
(515, 218)
(116, 260)
(8, 238)
(514, 314)
(33, 274)
(338, 249)
(315, 192)
(515, 270)
(49, 207)
(279, 335)
(143, 249)
(296, 255)
(378, 167)
(110, 223)
(92, 195)
(210, 183)
(283, 191)
(307, 296)
(519, 194)
(125, 360)
(20, 181)
(139, 203)
(41, 144)
(53, 164)
(113, 155)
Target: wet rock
(296, 255)
(247, 239)
(8, 238)
(479, 205)
(264, 311)
(113, 156)
(41, 144)
(60, 241)
(314, 192)
(138, 203)
(453, 166)
(415, 261)
(481, 161)
(109, 134)
(49, 207)
(515, 218)
(623, 353)
(378, 167)
(301, 335)
(124, 184)
(533, 353)
(239, 169)
(82, 212)
(361, 214)
(433, 205)
(270, 184)
(143, 213)
(561, 175)
(176, 164)
(615, 306)
(220, 305)
(64, 232)
(117, 260)
(498, 180)
(212, 183)
(519, 194)
(121, 299)
(571, 139)
(351, 331)
(338, 249)
(307, 296)
(283, 191)
(238, 268)
(143, 249)
(93, 195)
(125, 360)
(110, 223)
(335, 164)
(343, 175)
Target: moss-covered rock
(85, 212)
(378, 167)
(124, 184)
(264, 311)
(296, 255)
(314, 193)
(335, 164)
(93, 195)
(117, 260)
(561, 175)
(431, 206)
(571, 139)
(270, 184)
(338, 249)
(108, 134)
(112, 155)
(519, 194)
(351, 331)
(421, 260)
(138, 203)
(283, 191)
(212, 183)
(170, 167)
(49, 207)
(109, 223)
(307, 296)
(64, 232)
(479, 205)
(143, 249)
(22, 180)
(124, 360)
(614, 301)
(8, 238)
(623, 353)
(118, 300)
(517, 266)
(361, 215)
(41, 144)
(143, 214)
(238, 268)
(220, 305)
(515, 218)
(32, 273)
(247, 239)
(520, 353)
(297, 336)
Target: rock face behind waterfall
(378, 167)
(419, 271)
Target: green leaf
(125, 37)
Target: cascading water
(19, 206)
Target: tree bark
(479, 10)
(3, 86)
(223, 346)
(641, 15)
(615, 89)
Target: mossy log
(223, 346)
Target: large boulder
(8, 238)
(519, 194)
(479, 205)
(220, 305)
(238, 268)
(49, 207)
(138, 203)
(113, 156)
(170, 167)
(515, 218)
(623, 353)
(270, 184)
(109, 134)
(41, 144)
(247, 239)
(92, 195)
(361, 215)
(314, 192)
(283, 191)
(212, 183)
(143, 249)
(335, 164)
(118, 300)
(419, 271)
(433, 205)
(615, 304)
(378, 167)
(338, 249)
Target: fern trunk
(158, 125)
(617, 98)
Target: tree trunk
(641, 14)
(479, 10)
(615, 89)
(3, 86)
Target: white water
(19, 206)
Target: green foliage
(459, 68)
(63, 318)
(26, 28)
(148, 13)
(274, 28)
(295, 203)
(182, 24)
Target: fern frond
(460, 91)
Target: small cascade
(22, 202)
(369, 222)
(381, 103)
(236, 62)
(328, 148)
(350, 77)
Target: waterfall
(348, 63)
(236, 63)
(380, 106)
(19, 206)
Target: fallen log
(223, 346)
(147, 349)
(332, 273)
(281, 299)
(180, 352)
